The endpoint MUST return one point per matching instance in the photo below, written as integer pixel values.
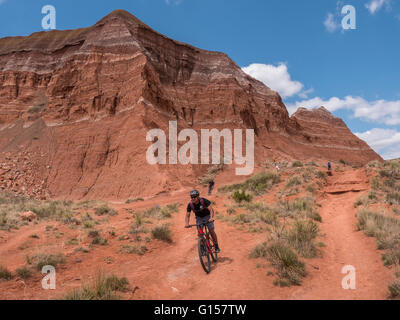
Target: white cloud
(375, 5)
(277, 78)
(330, 23)
(386, 142)
(379, 111)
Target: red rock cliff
(75, 107)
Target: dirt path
(345, 246)
(177, 273)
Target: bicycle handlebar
(199, 225)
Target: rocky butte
(75, 107)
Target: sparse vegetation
(160, 213)
(24, 272)
(104, 288)
(100, 211)
(5, 274)
(41, 260)
(211, 174)
(136, 249)
(386, 230)
(257, 184)
(297, 164)
(162, 233)
(133, 200)
(290, 269)
(240, 196)
(301, 237)
(394, 289)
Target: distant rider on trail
(203, 211)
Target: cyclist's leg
(212, 232)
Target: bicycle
(206, 246)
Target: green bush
(240, 196)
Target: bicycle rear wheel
(204, 255)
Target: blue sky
(298, 48)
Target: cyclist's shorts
(204, 220)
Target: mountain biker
(203, 211)
(329, 166)
(210, 186)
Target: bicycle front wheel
(204, 255)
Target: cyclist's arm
(187, 218)
(211, 211)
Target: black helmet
(194, 194)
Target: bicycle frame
(205, 236)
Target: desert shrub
(259, 251)
(286, 262)
(211, 174)
(52, 209)
(162, 233)
(159, 213)
(394, 289)
(241, 218)
(240, 196)
(295, 181)
(257, 184)
(362, 201)
(301, 237)
(386, 230)
(393, 198)
(300, 207)
(104, 288)
(310, 188)
(100, 211)
(41, 260)
(372, 195)
(99, 240)
(342, 161)
(297, 164)
(140, 250)
(321, 175)
(24, 272)
(133, 200)
(5, 274)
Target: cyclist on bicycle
(204, 213)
